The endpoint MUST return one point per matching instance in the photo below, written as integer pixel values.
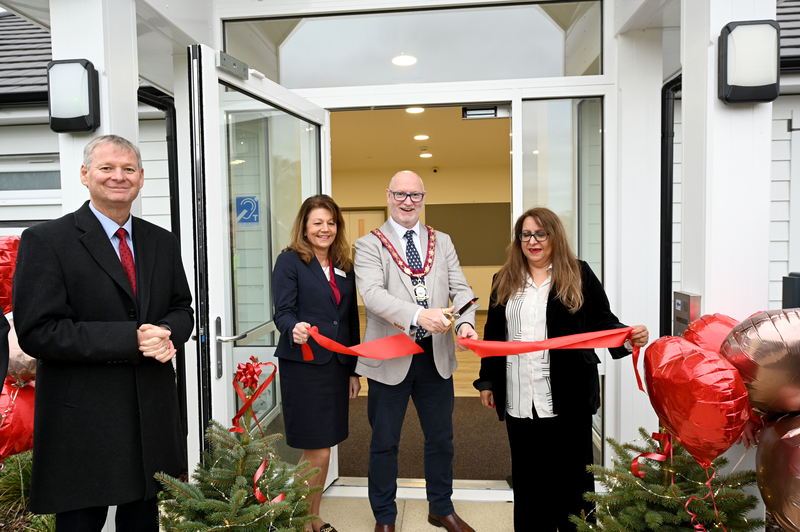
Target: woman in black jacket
(544, 291)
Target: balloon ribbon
(666, 439)
(254, 370)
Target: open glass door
(257, 154)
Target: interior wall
(367, 188)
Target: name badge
(339, 272)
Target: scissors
(453, 316)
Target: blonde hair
(566, 268)
(339, 251)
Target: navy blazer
(301, 292)
(573, 372)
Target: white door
(258, 151)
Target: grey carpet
(481, 443)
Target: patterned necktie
(412, 257)
(126, 257)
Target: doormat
(481, 443)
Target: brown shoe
(384, 528)
(451, 522)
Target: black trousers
(386, 409)
(136, 516)
(548, 469)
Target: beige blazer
(389, 299)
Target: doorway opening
(465, 164)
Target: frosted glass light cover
(70, 99)
(752, 56)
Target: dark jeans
(548, 469)
(433, 399)
(136, 516)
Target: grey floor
(354, 515)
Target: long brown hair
(339, 250)
(566, 269)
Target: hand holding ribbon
(385, 348)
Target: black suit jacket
(301, 292)
(573, 372)
(106, 417)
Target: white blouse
(528, 374)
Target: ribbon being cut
(401, 345)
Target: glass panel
(548, 39)
(562, 168)
(30, 180)
(271, 159)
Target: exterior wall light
(73, 96)
(749, 62)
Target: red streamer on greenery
(249, 374)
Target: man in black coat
(103, 310)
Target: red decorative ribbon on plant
(398, 345)
(666, 439)
(249, 374)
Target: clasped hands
(436, 321)
(154, 342)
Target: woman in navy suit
(314, 285)
(547, 398)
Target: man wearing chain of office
(408, 275)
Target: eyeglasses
(539, 236)
(400, 197)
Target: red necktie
(126, 257)
(335, 288)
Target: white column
(726, 170)
(104, 32)
(726, 177)
(632, 216)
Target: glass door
(257, 154)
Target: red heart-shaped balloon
(698, 396)
(710, 330)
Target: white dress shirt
(401, 235)
(528, 374)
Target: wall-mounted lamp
(73, 96)
(749, 62)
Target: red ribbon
(248, 403)
(589, 340)
(395, 346)
(666, 439)
(699, 526)
(251, 378)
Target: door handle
(220, 339)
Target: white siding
(29, 147)
(677, 191)
(780, 196)
(155, 194)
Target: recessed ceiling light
(536, 152)
(237, 161)
(415, 110)
(421, 137)
(425, 155)
(404, 60)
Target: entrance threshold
(414, 489)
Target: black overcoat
(106, 418)
(573, 372)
